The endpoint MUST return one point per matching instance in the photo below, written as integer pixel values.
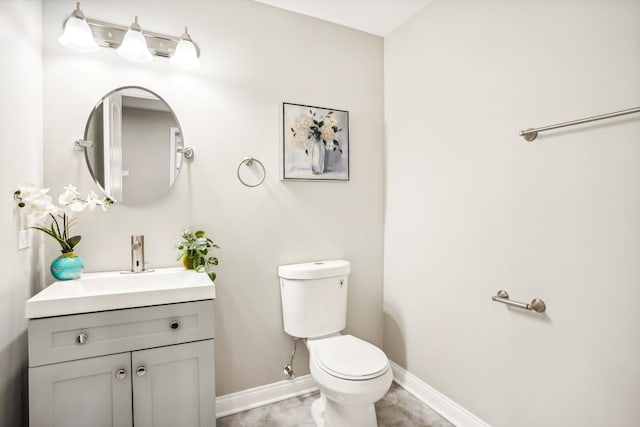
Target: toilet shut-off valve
(288, 368)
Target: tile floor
(398, 408)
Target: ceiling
(379, 17)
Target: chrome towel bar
(532, 134)
(536, 304)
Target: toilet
(351, 373)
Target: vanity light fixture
(132, 43)
(185, 55)
(77, 34)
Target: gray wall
(254, 57)
(472, 208)
(145, 154)
(20, 163)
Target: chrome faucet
(137, 254)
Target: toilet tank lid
(315, 270)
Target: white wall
(254, 57)
(472, 208)
(20, 163)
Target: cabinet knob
(121, 374)
(82, 338)
(174, 324)
(141, 371)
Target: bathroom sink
(115, 290)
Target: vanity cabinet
(147, 366)
(81, 392)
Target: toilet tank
(314, 297)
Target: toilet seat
(350, 358)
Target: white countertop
(115, 290)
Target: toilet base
(327, 413)
(317, 412)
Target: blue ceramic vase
(67, 266)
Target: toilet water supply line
(288, 368)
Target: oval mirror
(133, 146)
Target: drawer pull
(174, 324)
(82, 338)
(121, 374)
(141, 371)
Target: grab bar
(536, 304)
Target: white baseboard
(264, 395)
(259, 396)
(437, 401)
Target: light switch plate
(24, 239)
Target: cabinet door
(174, 386)
(82, 393)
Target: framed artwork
(315, 143)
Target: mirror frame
(86, 148)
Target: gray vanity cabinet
(147, 366)
(168, 386)
(81, 393)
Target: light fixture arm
(76, 13)
(135, 26)
(186, 36)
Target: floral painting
(315, 143)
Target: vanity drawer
(58, 339)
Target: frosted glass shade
(134, 47)
(78, 36)
(185, 56)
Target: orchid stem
(55, 222)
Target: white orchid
(70, 198)
(38, 202)
(93, 201)
(69, 195)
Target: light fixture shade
(134, 46)
(78, 36)
(185, 55)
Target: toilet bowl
(351, 373)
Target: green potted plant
(194, 252)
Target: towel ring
(249, 161)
